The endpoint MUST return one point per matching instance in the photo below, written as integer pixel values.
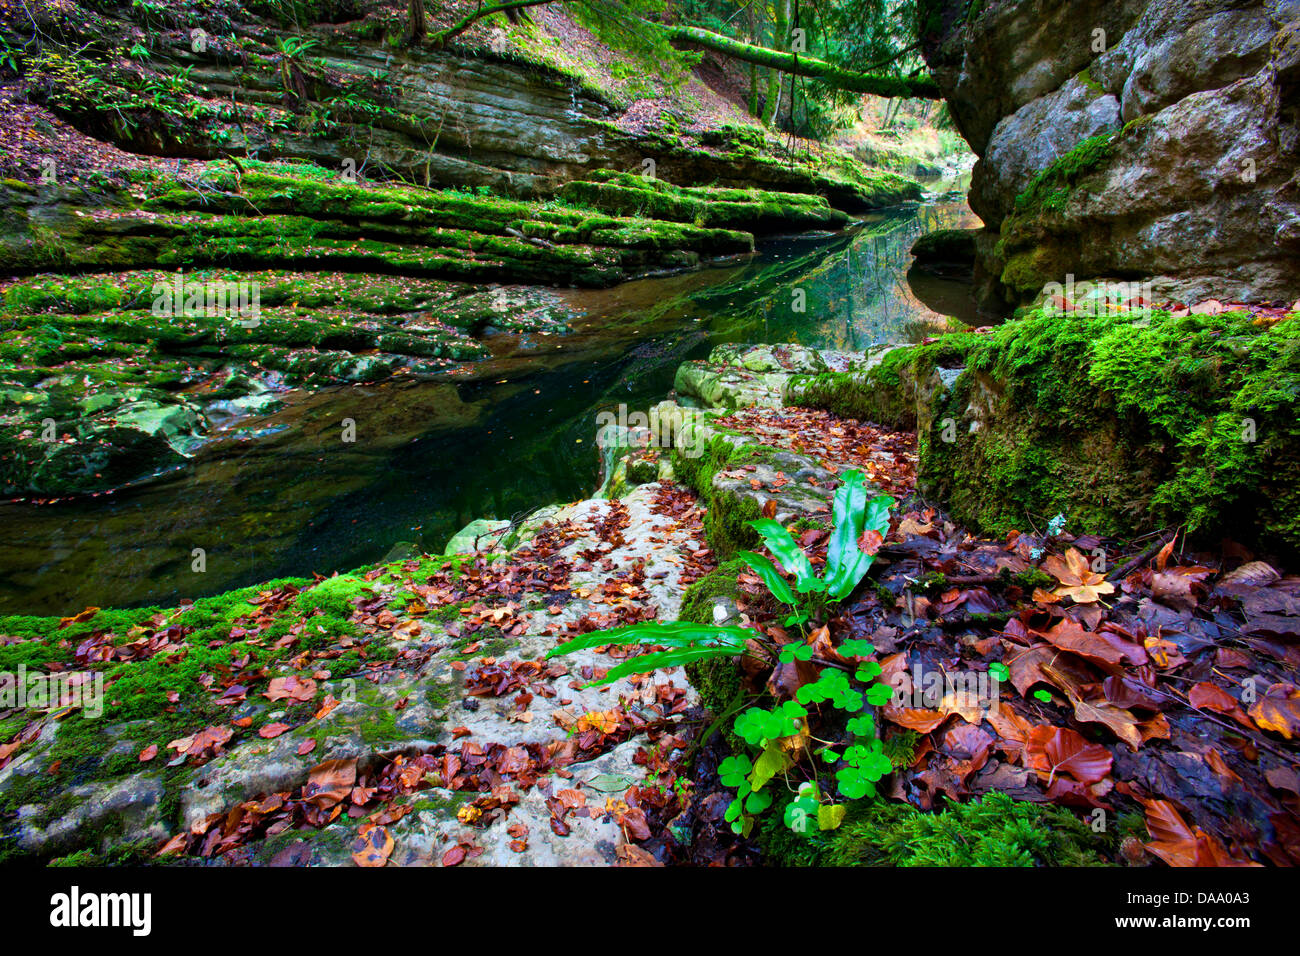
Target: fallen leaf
(1278, 710)
(1078, 580)
(372, 846)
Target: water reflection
(285, 495)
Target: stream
(286, 495)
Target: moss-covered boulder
(1120, 421)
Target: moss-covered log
(800, 64)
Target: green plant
(846, 563)
(850, 758)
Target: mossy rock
(1123, 422)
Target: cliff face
(351, 96)
(1129, 139)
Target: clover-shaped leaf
(999, 671)
(734, 809)
(857, 647)
(847, 699)
(875, 766)
(734, 770)
(853, 783)
(802, 810)
(796, 652)
(758, 802)
(752, 724)
(867, 672)
(863, 726)
(879, 694)
(830, 684)
(784, 721)
(828, 755)
(856, 754)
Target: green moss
(718, 680)
(628, 194)
(994, 831)
(900, 748)
(697, 602)
(1049, 190)
(725, 517)
(1122, 421)
(1087, 80)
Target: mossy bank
(1122, 422)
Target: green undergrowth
(717, 679)
(1050, 189)
(1036, 244)
(726, 515)
(1121, 421)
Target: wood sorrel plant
(818, 774)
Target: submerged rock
(481, 534)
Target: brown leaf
(922, 720)
(454, 857)
(148, 753)
(1179, 844)
(870, 541)
(629, 854)
(1253, 574)
(1028, 667)
(1102, 647)
(1162, 558)
(330, 783)
(1056, 750)
(1278, 710)
(1078, 580)
(291, 688)
(372, 846)
(271, 731)
(788, 676)
(572, 798)
(79, 618)
(1207, 696)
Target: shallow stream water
(285, 495)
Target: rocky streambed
(414, 692)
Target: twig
(1124, 570)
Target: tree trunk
(779, 33)
(416, 20)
